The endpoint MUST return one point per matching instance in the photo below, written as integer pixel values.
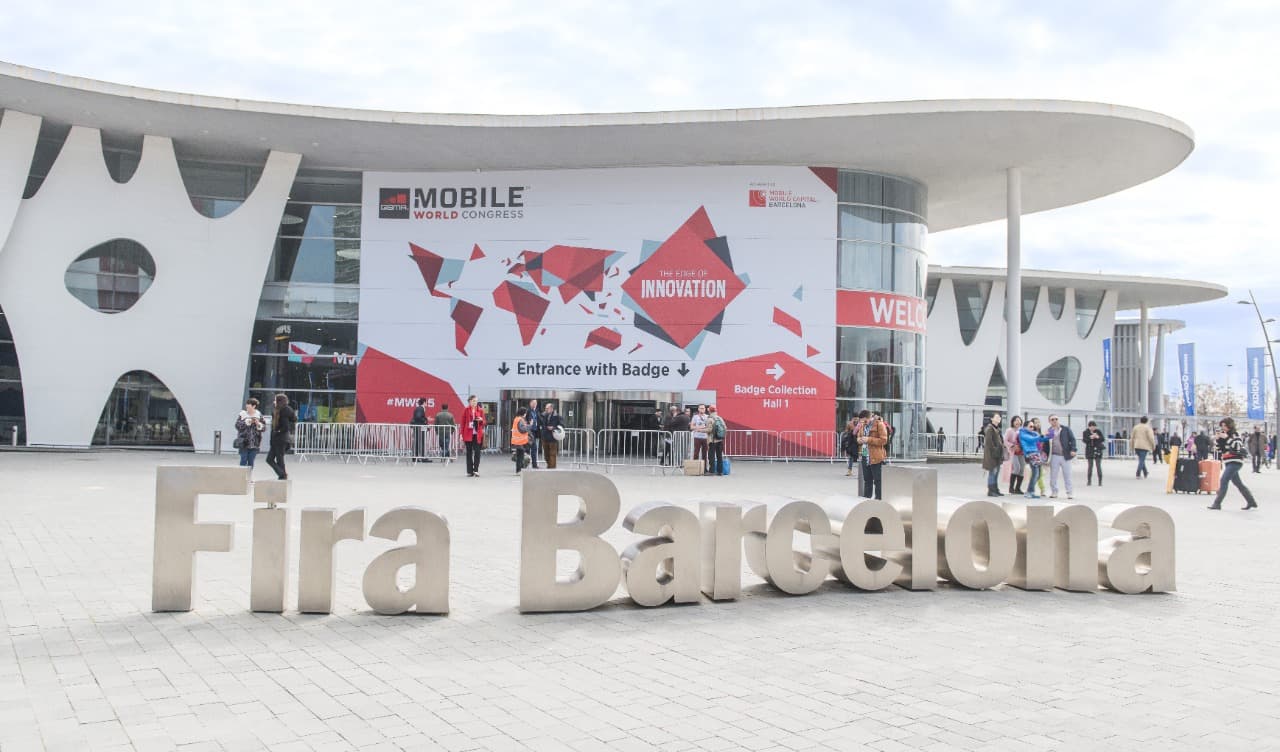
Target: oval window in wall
(110, 277)
(1058, 380)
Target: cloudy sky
(1210, 65)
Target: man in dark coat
(992, 454)
(419, 423)
(676, 422)
(1202, 446)
(1257, 448)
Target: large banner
(1106, 367)
(670, 279)
(1187, 377)
(1256, 390)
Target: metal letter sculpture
(665, 567)
(976, 561)
(1143, 561)
(315, 556)
(914, 493)
(542, 536)
(865, 530)
(269, 573)
(1057, 547)
(177, 534)
(789, 570)
(429, 557)
(724, 526)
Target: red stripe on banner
(882, 310)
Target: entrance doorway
(141, 411)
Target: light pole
(1266, 337)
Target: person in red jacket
(473, 423)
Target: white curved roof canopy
(1132, 291)
(1069, 152)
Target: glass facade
(141, 411)
(882, 230)
(304, 340)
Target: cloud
(1209, 64)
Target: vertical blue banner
(1106, 366)
(1256, 384)
(1187, 377)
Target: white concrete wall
(957, 374)
(191, 328)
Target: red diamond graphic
(684, 285)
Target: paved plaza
(84, 663)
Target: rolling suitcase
(1186, 478)
(1210, 474)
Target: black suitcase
(1186, 477)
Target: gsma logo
(756, 198)
(393, 203)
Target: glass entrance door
(141, 411)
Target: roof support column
(1144, 351)
(1013, 292)
(1156, 400)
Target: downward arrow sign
(776, 372)
(684, 370)
(503, 368)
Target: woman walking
(283, 420)
(1033, 446)
(1231, 447)
(1094, 443)
(1013, 451)
(249, 427)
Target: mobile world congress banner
(1257, 386)
(671, 279)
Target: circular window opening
(112, 276)
(1058, 381)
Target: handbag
(238, 443)
(557, 433)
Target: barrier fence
(583, 447)
(580, 447)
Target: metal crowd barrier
(809, 445)
(638, 448)
(757, 445)
(376, 441)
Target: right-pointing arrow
(776, 372)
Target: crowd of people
(1022, 451)
(1025, 449)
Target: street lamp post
(1266, 337)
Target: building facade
(164, 256)
(1078, 360)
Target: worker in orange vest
(520, 437)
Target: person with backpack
(849, 444)
(1233, 452)
(520, 430)
(716, 431)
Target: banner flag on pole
(1187, 376)
(1256, 386)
